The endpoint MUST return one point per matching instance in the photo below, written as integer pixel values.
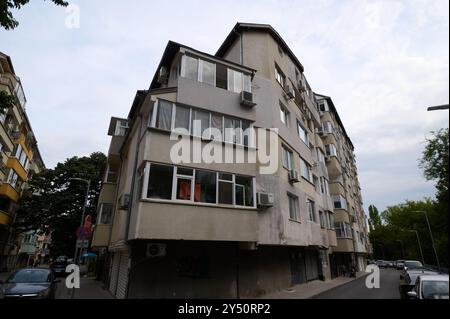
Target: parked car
(409, 277)
(59, 267)
(390, 264)
(400, 264)
(412, 264)
(37, 283)
(430, 287)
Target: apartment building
(211, 229)
(19, 158)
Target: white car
(430, 287)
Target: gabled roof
(240, 27)
(338, 119)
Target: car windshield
(435, 289)
(413, 264)
(29, 276)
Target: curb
(341, 285)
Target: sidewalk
(312, 288)
(89, 289)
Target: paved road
(389, 279)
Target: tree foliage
(7, 19)
(434, 162)
(6, 101)
(53, 203)
(374, 217)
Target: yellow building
(19, 156)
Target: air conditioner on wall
(155, 250)
(289, 91)
(124, 201)
(247, 99)
(265, 199)
(293, 176)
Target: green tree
(53, 203)
(434, 162)
(374, 217)
(6, 101)
(7, 20)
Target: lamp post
(431, 235)
(418, 240)
(88, 182)
(438, 107)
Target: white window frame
(288, 155)
(300, 127)
(296, 207)
(176, 176)
(200, 71)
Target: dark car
(59, 267)
(36, 283)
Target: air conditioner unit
(265, 199)
(124, 201)
(247, 99)
(163, 75)
(289, 91)
(293, 176)
(155, 250)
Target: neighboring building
(19, 159)
(212, 230)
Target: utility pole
(420, 246)
(88, 182)
(431, 235)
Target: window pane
(237, 131)
(292, 207)
(160, 182)
(234, 81)
(106, 214)
(240, 195)
(225, 176)
(200, 122)
(302, 133)
(205, 187)
(246, 132)
(228, 126)
(247, 83)
(184, 188)
(225, 193)
(216, 123)
(185, 171)
(246, 184)
(182, 117)
(164, 118)
(221, 76)
(189, 68)
(282, 115)
(207, 72)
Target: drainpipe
(241, 47)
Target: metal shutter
(115, 260)
(123, 276)
(312, 265)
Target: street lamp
(418, 240)
(88, 182)
(431, 235)
(438, 107)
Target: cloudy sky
(382, 62)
